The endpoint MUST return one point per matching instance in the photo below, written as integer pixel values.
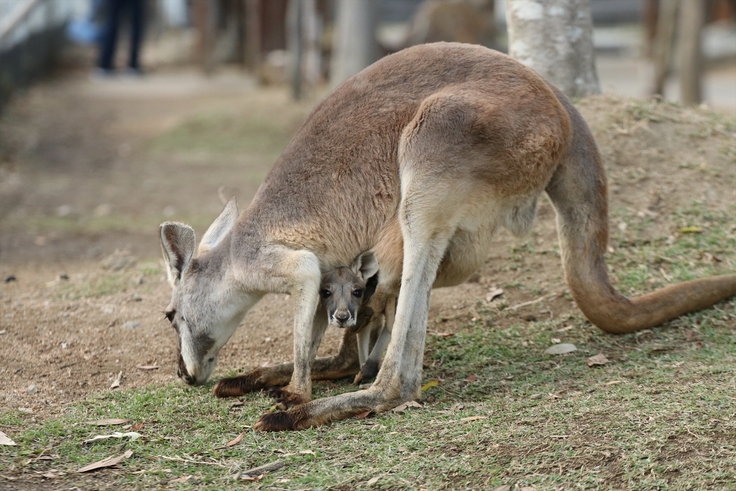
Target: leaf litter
(131, 434)
(5, 440)
(108, 462)
(597, 360)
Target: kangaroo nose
(185, 376)
(342, 316)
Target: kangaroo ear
(178, 242)
(220, 227)
(365, 265)
(370, 288)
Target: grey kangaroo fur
(419, 158)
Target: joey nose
(342, 316)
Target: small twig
(532, 302)
(39, 455)
(190, 461)
(257, 471)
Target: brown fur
(420, 157)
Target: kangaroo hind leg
(440, 193)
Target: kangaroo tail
(578, 192)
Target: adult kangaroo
(419, 157)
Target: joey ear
(178, 242)
(220, 227)
(365, 265)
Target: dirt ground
(84, 183)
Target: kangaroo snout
(343, 318)
(196, 377)
(186, 377)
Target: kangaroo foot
(240, 385)
(324, 411)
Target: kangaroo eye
(325, 293)
(358, 293)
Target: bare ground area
(88, 170)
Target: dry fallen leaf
(132, 435)
(108, 462)
(613, 382)
(472, 378)
(430, 384)
(597, 360)
(691, 230)
(137, 427)
(405, 406)
(372, 481)
(505, 487)
(116, 382)
(108, 422)
(363, 415)
(473, 418)
(5, 440)
(493, 294)
(251, 474)
(307, 452)
(235, 440)
(148, 367)
(182, 479)
(560, 349)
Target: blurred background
(116, 115)
(636, 41)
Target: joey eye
(210, 359)
(358, 293)
(325, 293)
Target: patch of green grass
(44, 224)
(101, 286)
(110, 283)
(699, 244)
(658, 415)
(227, 134)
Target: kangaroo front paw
(368, 372)
(286, 399)
(238, 386)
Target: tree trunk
(663, 44)
(295, 43)
(555, 38)
(690, 66)
(354, 45)
(253, 38)
(312, 25)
